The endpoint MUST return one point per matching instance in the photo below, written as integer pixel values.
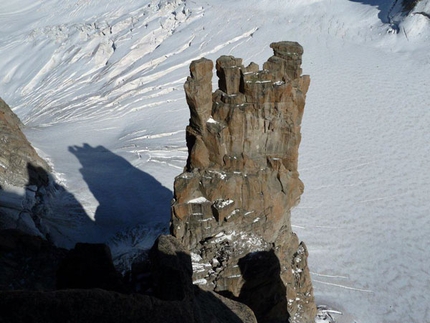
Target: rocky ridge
(31, 200)
(17, 153)
(232, 202)
(24, 177)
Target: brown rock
(20, 165)
(199, 93)
(22, 168)
(241, 180)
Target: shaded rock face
(89, 266)
(174, 298)
(234, 198)
(27, 262)
(97, 305)
(171, 270)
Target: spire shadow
(384, 6)
(127, 196)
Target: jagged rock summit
(232, 202)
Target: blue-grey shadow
(45, 209)
(127, 196)
(384, 7)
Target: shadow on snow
(384, 6)
(132, 204)
(126, 195)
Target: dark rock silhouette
(37, 176)
(179, 303)
(171, 270)
(89, 266)
(263, 290)
(27, 262)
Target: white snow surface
(99, 86)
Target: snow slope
(99, 86)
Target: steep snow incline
(417, 23)
(99, 86)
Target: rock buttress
(16, 154)
(232, 203)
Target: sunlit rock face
(24, 178)
(232, 203)
(20, 165)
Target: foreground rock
(28, 262)
(97, 305)
(232, 203)
(173, 297)
(89, 266)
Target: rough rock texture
(232, 203)
(30, 198)
(171, 273)
(16, 153)
(24, 178)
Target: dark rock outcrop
(174, 298)
(89, 266)
(232, 203)
(97, 305)
(28, 262)
(94, 305)
(171, 276)
(171, 270)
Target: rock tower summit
(232, 202)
